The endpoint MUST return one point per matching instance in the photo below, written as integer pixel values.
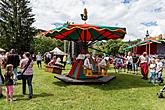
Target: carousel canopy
(86, 32)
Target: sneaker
(30, 97)
(23, 95)
(14, 83)
(1, 95)
(14, 99)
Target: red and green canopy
(86, 32)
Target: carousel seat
(104, 70)
(54, 69)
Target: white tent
(2, 50)
(57, 51)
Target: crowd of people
(131, 62)
(11, 61)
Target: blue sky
(136, 15)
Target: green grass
(126, 92)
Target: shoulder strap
(26, 66)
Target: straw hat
(144, 53)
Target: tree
(110, 47)
(16, 21)
(44, 44)
(114, 46)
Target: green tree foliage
(98, 48)
(44, 44)
(110, 47)
(115, 46)
(16, 21)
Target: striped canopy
(142, 43)
(86, 32)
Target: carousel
(85, 35)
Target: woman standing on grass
(144, 65)
(27, 63)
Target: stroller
(160, 94)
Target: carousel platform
(98, 80)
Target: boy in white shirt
(39, 60)
(159, 70)
(152, 71)
(129, 62)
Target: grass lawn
(126, 92)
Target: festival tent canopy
(2, 50)
(57, 51)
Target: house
(152, 45)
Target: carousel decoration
(84, 16)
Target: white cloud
(103, 12)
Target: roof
(156, 37)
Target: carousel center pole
(85, 42)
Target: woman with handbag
(26, 66)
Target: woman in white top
(129, 62)
(39, 60)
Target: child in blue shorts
(153, 71)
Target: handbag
(20, 74)
(1, 76)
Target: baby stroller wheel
(160, 95)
